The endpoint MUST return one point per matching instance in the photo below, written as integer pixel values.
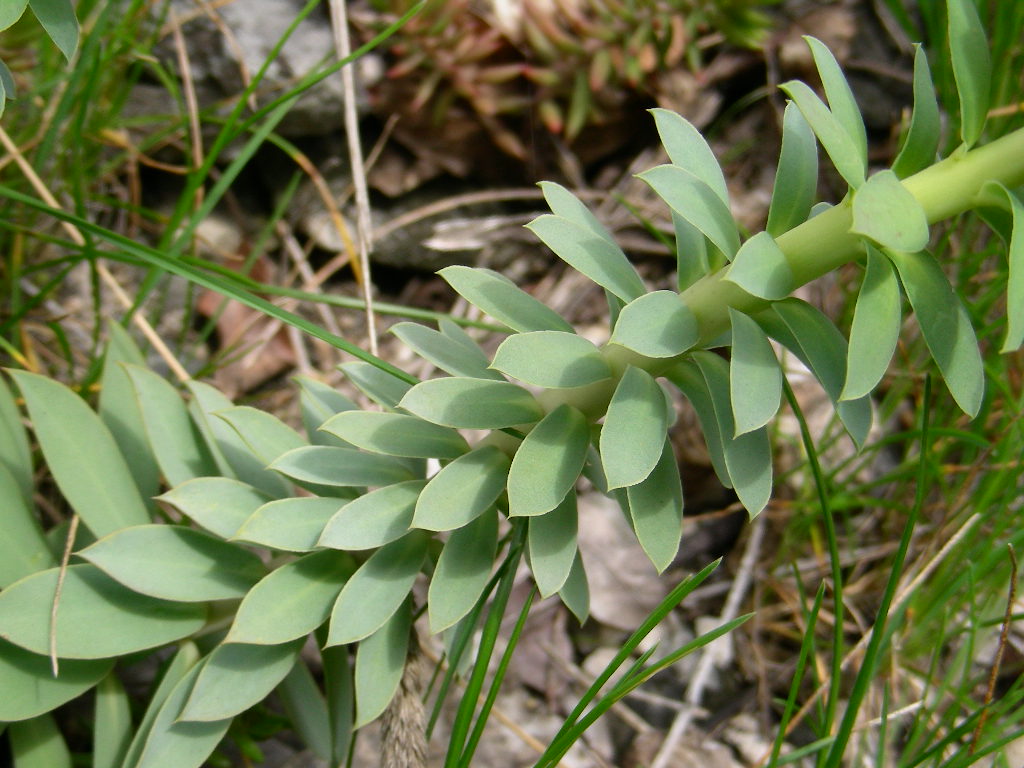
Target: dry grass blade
(68, 546)
(339, 26)
(144, 326)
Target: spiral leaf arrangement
(346, 516)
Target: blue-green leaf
(472, 403)
(172, 562)
(687, 148)
(174, 440)
(656, 509)
(796, 178)
(112, 728)
(218, 504)
(840, 98)
(687, 376)
(462, 571)
(380, 663)
(658, 324)
(236, 677)
(748, 457)
(396, 434)
(551, 359)
(692, 199)
(119, 410)
(946, 327)
(59, 20)
(552, 545)
(383, 388)
(691, 253)
(755, 378)
(292, 525)
(819, 345)
(38, 743)
(761, 269)
(548, 463)
(232, 453)
(972, 67)
(921, 143)
(885, 211)
(11, 11)
(319, 402)
(500, 298)
(1015, 279)
(462, 490)
(172, 743)
(101, 489)
(30, 688)
(634, 429)
(566, 205)
(266, 436)
(446, 353)
(838, 144)
(293, 600)
(876, 327)
(97, 618)
(597, 258)
(342, 467)
(374, 519)
(23, 547)
(377, 589)
(575, 593)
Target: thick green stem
(814, 249)
(825, 242)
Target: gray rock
(255, 26)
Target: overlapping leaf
(383, 388)
(462, 571)
(634, 429)
(921, 143)
(343, 467)
(30, 687)
(946, 327)
(377, 589)
(885, 211)
(292, 525)
(589, 253)
(472, 403)
(97, 618)
(101, 489)
(235, 677)
(692, 199)
(218, 504)
(380, 663)
(172, 562)
(755, 378)
(796, 178)
(293, 600)
(552, 545)
(373, 520)
(877, 318)
(548, 463)
(462, 490)
(174, 440)
(761, 269)
(551, 359)
(448, 354)
(500, 298)
(656, 509)
(396, 434)
(658, 324)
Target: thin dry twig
(144, 326)
(191, 102)
(339, 26)
(72, 532)
(1004, 638)
(731, 609)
